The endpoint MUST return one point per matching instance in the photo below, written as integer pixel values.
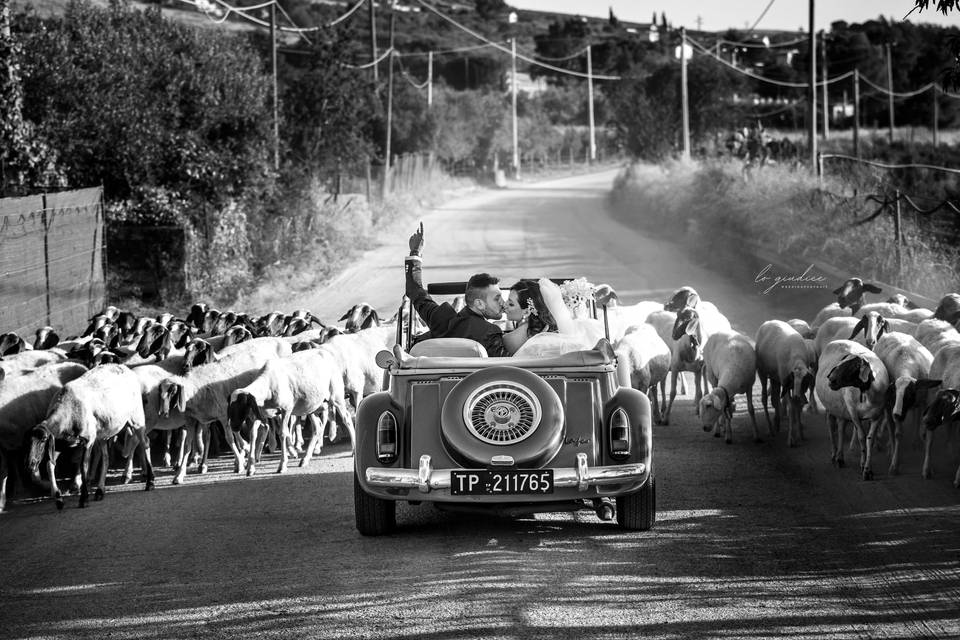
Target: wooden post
(369, 178)
(890, 89)
(856, 112)
(812, 98)
(820, 170)
(593, 135)
(373, 39)
(386, 156)
(826, 92)
(429, 77)
(896, 231)
(936, 118)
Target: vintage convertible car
(507, 435)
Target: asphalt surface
(753, 540)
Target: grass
(785, 209)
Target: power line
(763, 13)
(529, 60)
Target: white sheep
(852, 385)
(26, 360)
(872, 325)
(944, 408)
(303, 384)
(693, 327)
(730, 364)
(802, 327)
(935, 334)
(24, 400)
(87, 412)
(682, 358)
(360, 316)
(203, 393)
(891, 310)
(644, 354)
(948, 308)
(784, 362)
(908, 366)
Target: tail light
(619, 434)
(387, 438)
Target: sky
(719, 15)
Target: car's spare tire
(502, 411)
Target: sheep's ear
(861, 326)
(871, 288)
(927, 383)
(3, 373)
(866, 373)
(181, 398)
(890, 397)
(807, 383)
(837, 291)
(346, 316)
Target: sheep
(935, 334)
(203, 392)
(24, 400)
(301, 384)
(944, 408)
(849, 300)
(663, 322)
(360, 316)
(644, 354)
(86, 412)
(12, 344)
(802, 327)
(852, 385)
(908, 366)
(784, 361)
(356, 354)
(903, 301)
(730, 364)
(198, 311)
(872, 325)
(948, 308)
(269, 325)
(31, 359)
(889, 310)
(204, 351)
(620, 319)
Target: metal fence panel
(22, 275)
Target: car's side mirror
(385, 359)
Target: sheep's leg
(698, 382)
(777, 406)
(84, 472)
(763, 399)
(167, 441)
(104, 465)
(341, 408)
(284, 437)
(126, 452)
(753, 417)
(895, 427)
(663, 397)
(812, 403)
(257, 440)
(683, 384)
(146, 463)
(317, 421)
(55, 493)
(727, 428)
(836, 446)
(674, 373)
(652, 396)
(231, 439)
(293, 441)
(4, 475)
(793, 420)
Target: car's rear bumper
(426, 479)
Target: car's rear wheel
(638, 511)
(374, 516)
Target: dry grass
(784, 208)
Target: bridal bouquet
(577, 295)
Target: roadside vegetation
(710, 205)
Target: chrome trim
(428, 479)
(424, 474)
(502, 461)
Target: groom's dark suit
(444, 321)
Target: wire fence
(51, 261)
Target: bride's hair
(542, 320)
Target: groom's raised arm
(433, 314)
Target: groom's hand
(416, 242)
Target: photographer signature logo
(806, 280)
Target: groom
(483, 300)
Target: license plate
(495, 483)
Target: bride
(551, 319)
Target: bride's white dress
(573, 333)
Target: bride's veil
(553, 299)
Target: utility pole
(386, 164)
(890, 89)
(684, 99)
(593, 134)
(856, 112)
(373, 40)
(276, 98)
(429, 77)
(812, 100)
(513, 82)
(826, 91)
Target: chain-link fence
(51, 261)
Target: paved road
(753, 540)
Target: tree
(613, 21)
(489, 9)
(26, 160)
(951, 76)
